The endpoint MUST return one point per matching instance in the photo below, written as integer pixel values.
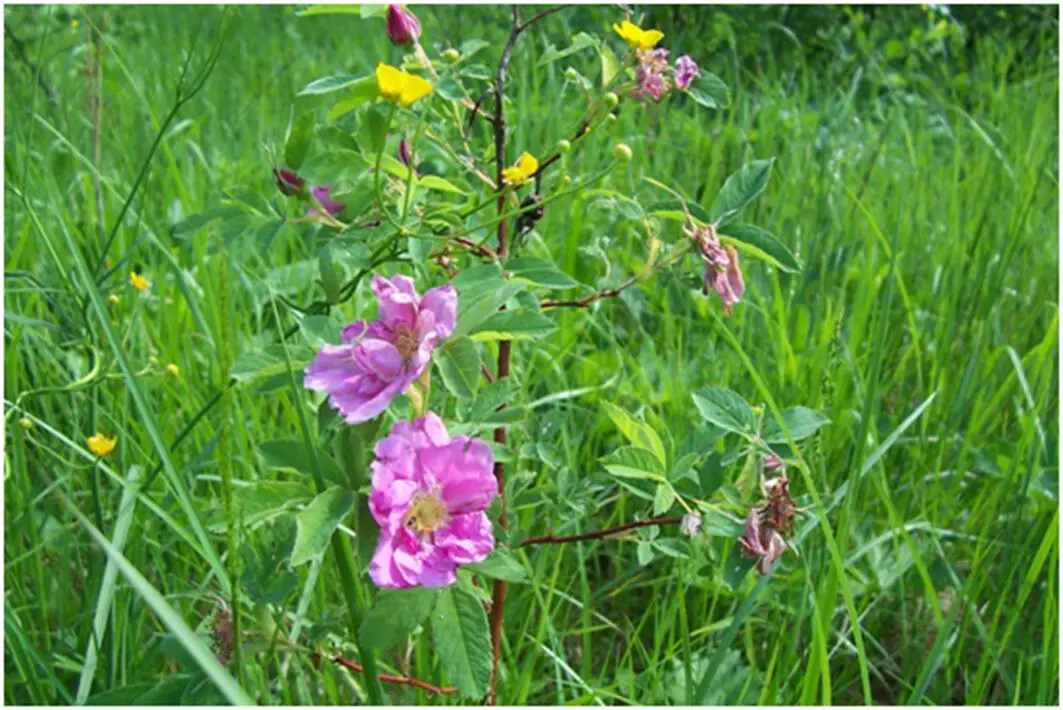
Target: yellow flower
(139, 282)
(101, 445)
(396, 85)
(73, 24)
(521, 172)
(173, 369)
(637, 37)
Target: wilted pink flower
(321, 194)
(685, 71)
(761, 542)
(377, 361)
(288, 181)
(772, 463)
(402, 25)
(725, 277)
(650, 73)
(429, 495)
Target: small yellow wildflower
(173, 369)
(101, 445)
(636, 37)
(521, 172)
(113, 299)
(74, 24)
(139, 282)
(396, 85)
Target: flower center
(427, 513)
(406, 341)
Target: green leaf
(330, 10)
(633, 462)
(500, 564)
(715, 522)
(298, 142)
(434, 182)
(292, 455)
(395, 614)
(270, 361)
(317, 522)
(394, 166)
(663, 499)
(542, 272)
(710, 91)
(462, 640)
(327, 84)
(481, 299)
(801, 422)
(725, 409)
(579, 42)
(363, 90)
(513, 325)
(261, 501)
(375, 126)
(762, 244)
(459, 364)
(672, 547)
(637, 432)
(741, 188)
(736, 567)
(610, 64)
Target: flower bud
(571, 74)
(404, 152)
(563, 146)
(26, 423)
(622, 152)
(451, 56)
(611, 99)
(288, 181)
(690, 524)
(402, 26)
(610, 118)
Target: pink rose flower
(429, 495)
(377, 361)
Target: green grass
(921, 195)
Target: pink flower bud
(288, 181)
(405, 156)
(402, 26)
(321, 194)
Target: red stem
(554, 540)
(388, 678)
(585, 302)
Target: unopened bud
(451, 56)
(288, 181)
(571, 74)
(611, 99)
(26, 423)
(622, 152)
(563, 146)
(402, 25)
(610, 118)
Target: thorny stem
(388, 678)
(498, 598)
(556, 540)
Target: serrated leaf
(513, 325)
(459, 365)
(500, 564)
(434, 182)
(462, 640)
(762, 244)
(542, 272)
(395, 614)
(633, 462)
(741, 188)
(327, 84)
(709, 90)
(317, 521)
(726, 409)
(637, 432)
(801, 422)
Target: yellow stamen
(427, 513)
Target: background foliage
(917, 181)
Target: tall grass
(924, 209)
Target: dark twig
(477, 249)
(556, 540)
(388, 678)
(585, 302)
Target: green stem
(409, 177)
(376, 172)
(340, 549)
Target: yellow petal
(628, 31)
(101, 445)
(415, 88)
(650, 38)
(390, 81)
(514, 176)
(527, 164)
